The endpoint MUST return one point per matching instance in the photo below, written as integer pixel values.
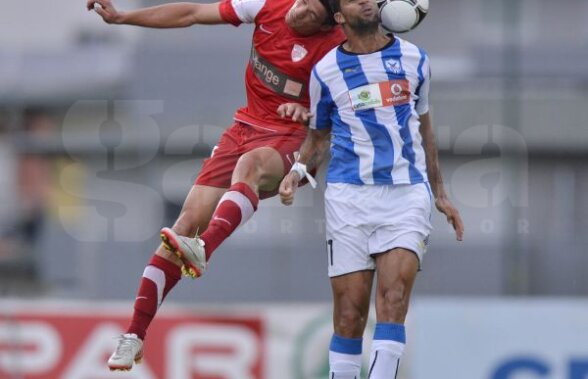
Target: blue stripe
(345, 345)
(344, 164)
(390, 332)
(403, 115)
(421, 76)
(354, 77)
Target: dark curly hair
(328, 4)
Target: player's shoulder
(411, 49)
(327, 63)
(274, 11)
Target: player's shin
(159, 277)
(234, 209)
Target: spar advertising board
(70, 340)
(448, 339)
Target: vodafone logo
(396, 89)
(396, 92)
(382, 94)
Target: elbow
(196, 14)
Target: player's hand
(288, 187)
(295, 111)
(444, 206)
(105, 9)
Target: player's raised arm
(435, 179)
(172, 15)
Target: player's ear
(339, 18)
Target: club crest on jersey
(394, 66)
(298, 53)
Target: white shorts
(363, 221)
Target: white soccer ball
(400, 16)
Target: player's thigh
(217, 170)
(396, 271)
(351, 301)
(263, 165)
(198, 209)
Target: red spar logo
(38, 346)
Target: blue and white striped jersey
(372, 102)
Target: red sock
(159, 277)
(234, 209)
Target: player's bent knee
(349, 322)
(249, 166)
(257, 168)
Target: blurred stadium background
(103, 129)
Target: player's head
(361, 16)
(308, 17)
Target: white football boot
(128, 351)
(189, 250)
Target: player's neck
(366, 44)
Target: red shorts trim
(241, 138)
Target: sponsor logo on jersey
(383, 94)
(298, 53)
(364, 95)
(274, 79)
(394, 66)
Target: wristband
(300, 168)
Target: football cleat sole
(171, 244)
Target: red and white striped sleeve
(238, 12)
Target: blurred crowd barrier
(447, 338)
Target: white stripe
(362, 142)
(247, 10)
(242, 201)
(324, 69)
(315, 90)
(158, 277)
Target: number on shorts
(330, 250)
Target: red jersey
(281, 61)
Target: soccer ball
(400, 16)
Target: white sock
(345, 358)
(385, 358)
(344, 366)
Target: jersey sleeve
(422, 104)
(237, 12)
(321, 102)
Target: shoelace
(125, 345)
